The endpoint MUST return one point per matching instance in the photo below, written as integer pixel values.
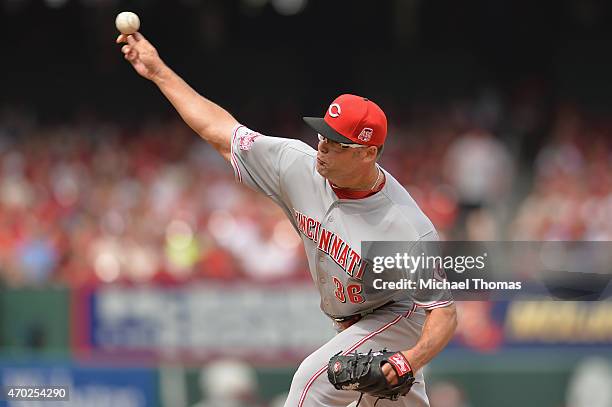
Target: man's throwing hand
(141, 54)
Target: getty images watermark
(430, 274)
(491, 270)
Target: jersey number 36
(353, 292)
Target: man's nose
(323, 147)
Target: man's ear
(367, 154)
(372, 153)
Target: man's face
(336, 161)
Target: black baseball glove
(362, 372)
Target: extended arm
(213, 123)
(438, 330)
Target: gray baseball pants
(391, 327)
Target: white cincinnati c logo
(334, 112)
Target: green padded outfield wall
(34, 320)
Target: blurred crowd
(90, 201)
(571, 191)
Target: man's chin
(321, 170)
(324, 172)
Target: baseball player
(336, 197)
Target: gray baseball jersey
(333, 229)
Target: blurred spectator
(477, 329)
(446, 394)
(479, 166)
(481, 170)
(228, 383)
(279, 400)
(37, 257)
(590, 384)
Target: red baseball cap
(352, 119)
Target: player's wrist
(412, 360)
(161, 73)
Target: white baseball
(127, 22)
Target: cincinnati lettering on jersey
(332, 245)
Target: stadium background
(133, 268)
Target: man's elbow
(449, 314)
(219, 136)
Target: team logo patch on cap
(334, 110)
(337, 367)
(366, 134)
(247, 139)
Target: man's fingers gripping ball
(125, 38)
(131, 39)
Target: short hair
(379, 151)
